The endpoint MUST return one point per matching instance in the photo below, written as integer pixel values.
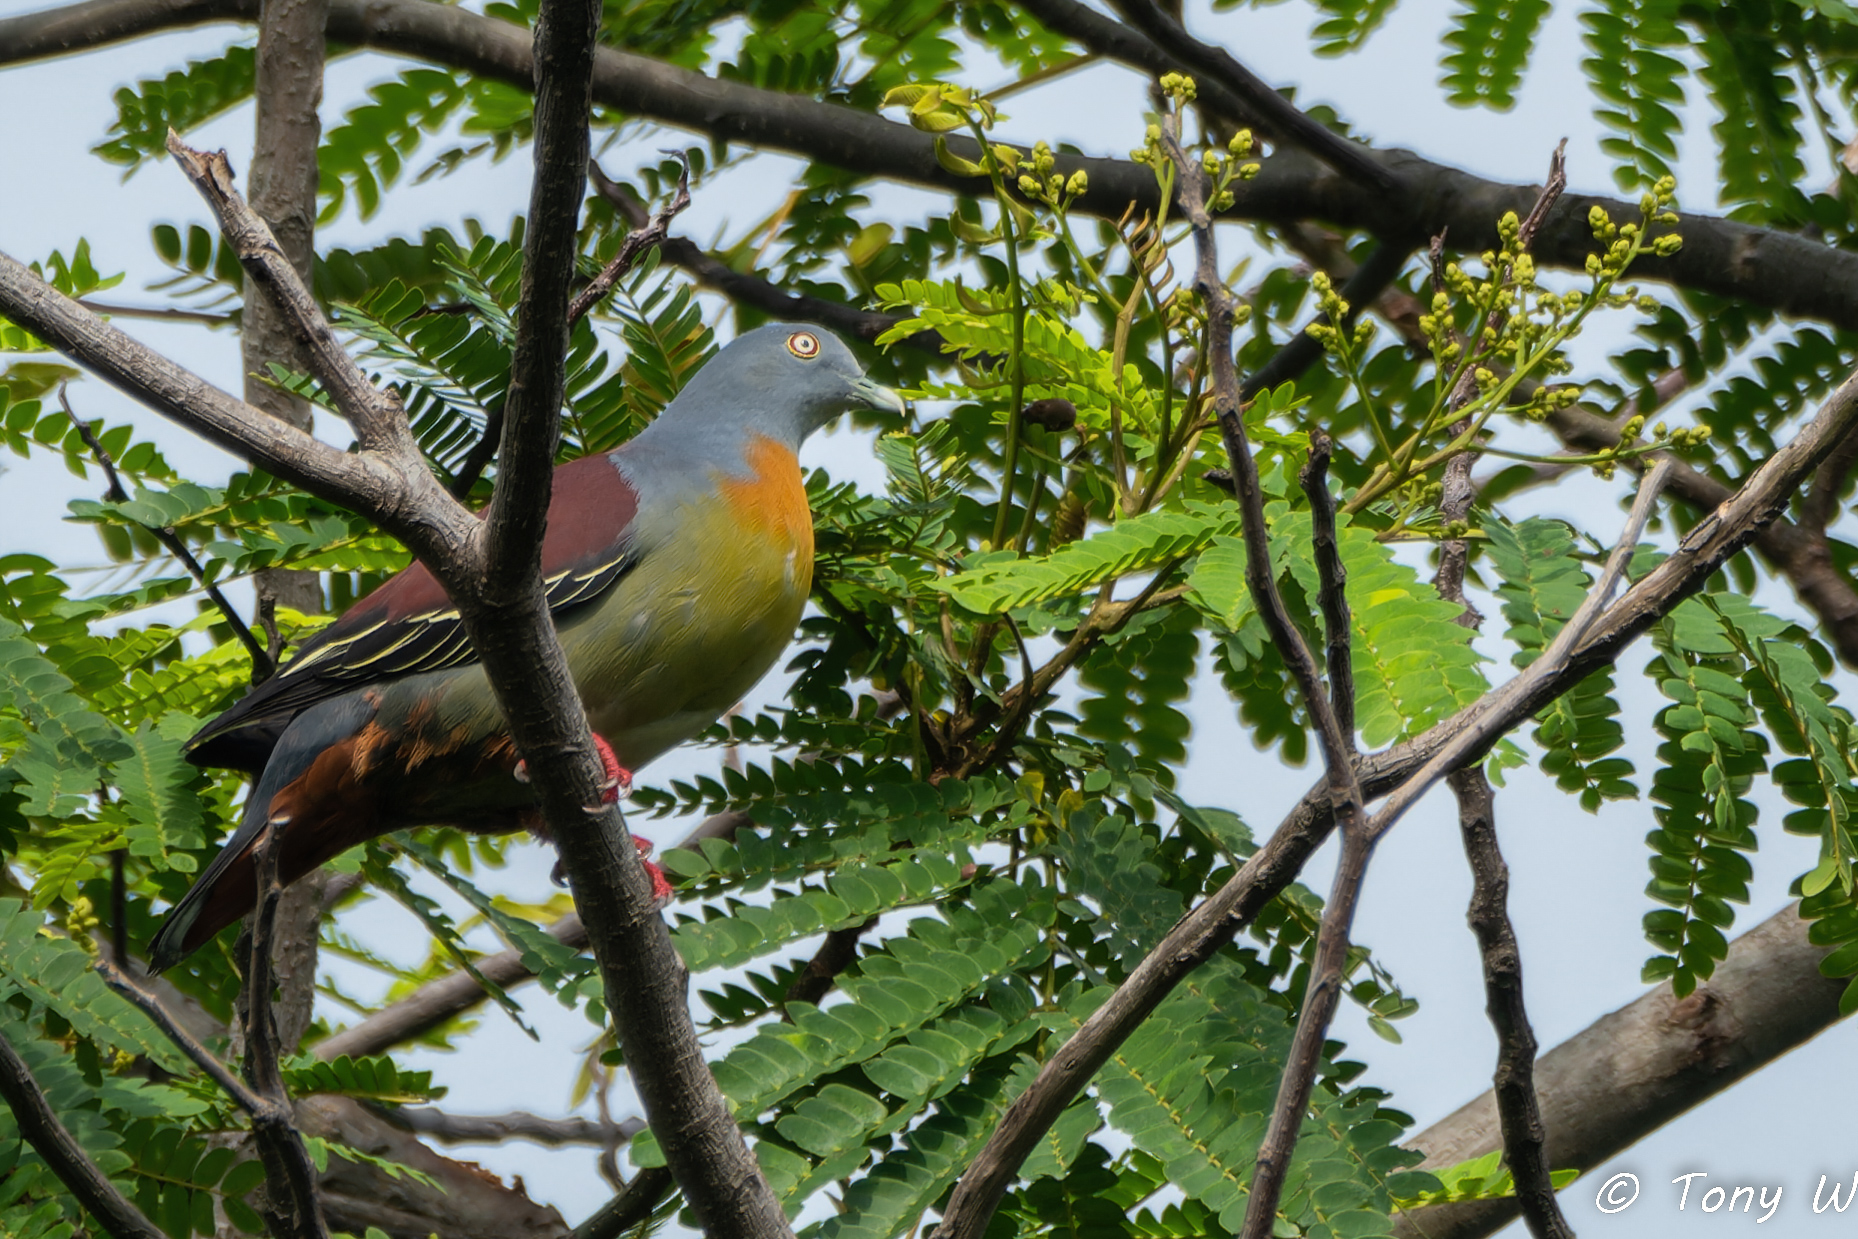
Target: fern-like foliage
(1490, 42)
(181, 101)
(1636, 73)
(1709, 756)
(1543, 583)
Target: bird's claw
(616, 787)
(662, 891)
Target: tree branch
(49, 1139)
(1518, 1109)
(754, 291)
(1796, 275)
(290, 1205)
(652, 232)
(628, 1209)
(516, 1125)
(1332, 594)
(175, 545)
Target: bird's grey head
(784, 381)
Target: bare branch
(49, 1139)
(378, 420)
(628, 1209)
(358, 481)
(1259, 577)
(290, 1204)
(203, 1058)
(287, 88)
(1332, 594)
(516, 1125)
(641, 238)
(754, 291)
(1520, 1117)
(175, 545)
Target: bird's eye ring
(804, 345)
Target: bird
(677, 566)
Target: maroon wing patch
(408, 625)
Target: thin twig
(263, 661)
(290, 1201)
(39, 1126)
(236, 1089)
(451, 1128)
(1332, 594)
(636, 243)
(632, 1206)
(1519, 1112)
(754, 291)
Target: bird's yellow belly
(701, 621)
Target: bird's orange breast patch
(773, 501)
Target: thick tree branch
(467, 1202)
(1638, 1068)
(287, 90)
(41, 1129)
(360, 480)
(1785, 271)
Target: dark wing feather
(408, 625)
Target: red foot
(619, 783)
(618, 778)
(661, 885)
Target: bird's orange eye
(804, 345)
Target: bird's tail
(228, 888)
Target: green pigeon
(677, 566)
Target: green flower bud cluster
(1331, 306)
(1150, 152)
(1040, 181)
(1179, 87)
